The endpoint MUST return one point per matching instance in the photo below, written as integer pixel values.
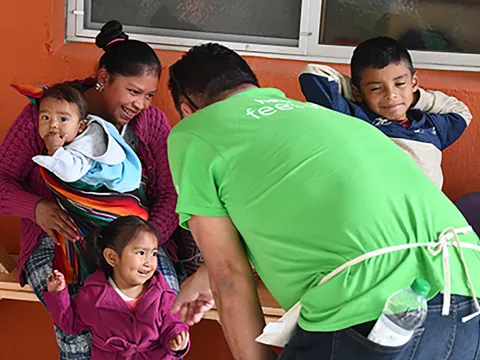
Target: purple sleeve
(162, 195)
(64, 312)
(171, 324)
(21, 143)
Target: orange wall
(34, 52)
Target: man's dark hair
(378, 53)
(70, 93)
(206, 72)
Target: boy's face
(60, 117)
(389, 92)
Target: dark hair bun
(112, 30)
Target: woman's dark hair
(377, 53)
(70, 93)
(124, 56)
(206, 72)
(116, 235)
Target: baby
(83, 149)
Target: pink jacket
(22, 187)
(118, 332)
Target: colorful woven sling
(89, 207)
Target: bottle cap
(421, 287)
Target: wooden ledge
(11, 289)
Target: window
(440, 33)
(252, 25)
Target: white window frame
(307, 49)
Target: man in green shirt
(299, 190)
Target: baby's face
(389, 91)
(59, 117)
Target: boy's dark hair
(116, 235)
(70, 93)
(378, 53)
(123, 56)
(206, 72)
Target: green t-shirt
(309, 189)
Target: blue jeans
(441, 338)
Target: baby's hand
(179, 342)
(55, 281)
(53, 141)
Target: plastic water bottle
(404, 312)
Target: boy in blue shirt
(384, 91)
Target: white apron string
(442, 246)
(279, 332)
(434, 248)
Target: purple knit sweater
(22, 187)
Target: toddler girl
(126, 301)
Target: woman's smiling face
(127, 96)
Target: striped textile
(89, 208)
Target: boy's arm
(327, 87)
(68, 165)
(64, 312)
(450, 116)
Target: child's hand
(179, 342)
(53, 141)
(55, 281)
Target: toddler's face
(138, 261)
(59, 117)
(389, 91)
